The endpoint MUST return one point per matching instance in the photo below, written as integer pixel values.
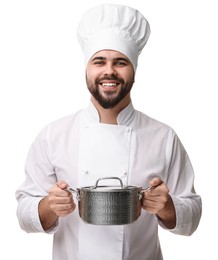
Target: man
(109, 138)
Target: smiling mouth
(109, 85)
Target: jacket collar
(125, 116)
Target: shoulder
(144, 121)
(60, 126)
(65, 121)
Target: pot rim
(109, 188)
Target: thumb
(62, 185)
(156, 181)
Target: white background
(42, 79)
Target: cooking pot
(109, 205)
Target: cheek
(131, 74)
(129, 77)
(91, 74)
(88, 76)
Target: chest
(101, 150)
(104, 151)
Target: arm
(41, 198)
(176, 204)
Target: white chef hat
(113, 27)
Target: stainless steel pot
(109, 205)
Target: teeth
(109, 84)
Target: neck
(109, 115)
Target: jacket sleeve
(39, 177)
(180, 181)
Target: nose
(109, 69)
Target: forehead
(109, 54)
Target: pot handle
(73, 191)
(144, 190)
(108, 178)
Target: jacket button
(124, 172)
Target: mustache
(120, 80)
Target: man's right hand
(58, 203)
(61, 201)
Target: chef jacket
(79, 150)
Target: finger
(65, 209)
(65, 206)
(151, 196)
(149, 206)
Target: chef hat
(113, 27)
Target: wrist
(168, 214)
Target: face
(109, 77)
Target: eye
(100, 62)
(121, 63)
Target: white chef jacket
(79, 150)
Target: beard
(110, 98)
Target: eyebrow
(115, 59)
(98, 58)
(121, 59)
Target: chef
(108, 138)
